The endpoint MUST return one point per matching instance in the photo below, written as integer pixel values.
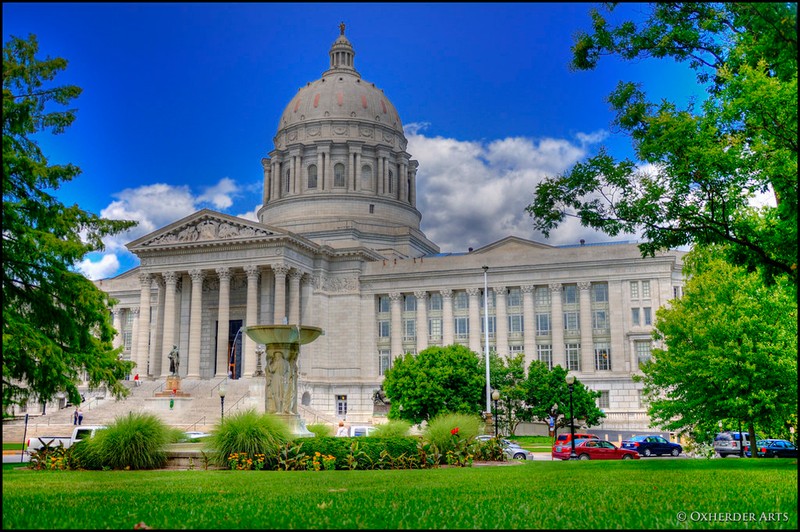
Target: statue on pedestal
(174, 360)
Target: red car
(594, 450)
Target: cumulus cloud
(106, 266)
(220, 195)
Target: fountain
(283, 347)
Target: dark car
(772, 448)
(593, 449)
(652, 445)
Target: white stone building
(338, 246)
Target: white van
(361, 430)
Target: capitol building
(338, 246)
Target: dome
(341, 94)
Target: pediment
(512, 244)
(204, 227)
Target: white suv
(730, 443)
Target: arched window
(312, 176)
(391, 182)
(288, 186)
(338, 175)
(366, 178)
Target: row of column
(146, 346)
(501, 322)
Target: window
(545, 354)
(384, 304)
(676, 292)
(460, 301)
(341, 405)
(635, 320)
(542, 296)
(391, 182)
(569, 295)
(462, 327)
(366, 177)
(435, 328)
(312, 176)
(514, 297)
(409, 330)
(384, 329)
(648, 320)
(642, 348)
(384, 361)
(600, 320)
(646, 289)
(288, 183)
(410, 303)
(542, 323)
(127, 338)
(573, 357)
(599, 292)
(634, 289)
(602, 357)
(515, 324)
(490, 299)
(492, 322)
(603, 401)
(435, 302)
(571, 322)
(338, 175)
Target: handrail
(230, 408)
(193, 426)
(211, 394)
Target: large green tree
(730, 352)
(707, 159)
(56, 323)
(507, 374)
(437, 379)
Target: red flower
(454, 431)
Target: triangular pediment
(511, 244)
(204, 227)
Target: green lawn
(642, 494)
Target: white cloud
(107, 266)
(220, 195)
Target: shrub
(135, 441)
(396, 428)
(440, 430)
(320, 429)
(249, 434)
(364, 452)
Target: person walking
(75, 417)
(79, 416)
(136, 382)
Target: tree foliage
(708, 160)
(56, 323)
(547, 387)
(730, 352)
(507, 374)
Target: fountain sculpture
(282, 349)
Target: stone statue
(174, 360)
(341, 28)
(279, 377)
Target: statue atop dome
(341, 28)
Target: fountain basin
(283, 334)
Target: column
(528, 324)
(474, 319)
(422, 319)
(223, 320)
(397, 323)
(135, 340)
(294, 296)
(280, 271)
(251, 318)
(143, 340)
(616, 311)
(379, 175)
(328, 171)
(169, 339)
(587, 349)
(195, 323)
(447, 316)
(157, 332)
(501, 320)
(267, 166)
(267, 287)
(557, 323)
(358, 170)
(117, 341)
(320, 166)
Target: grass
(642, 494)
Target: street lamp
(222, 402)
(486, 333)
(495, 397)
(571, 385)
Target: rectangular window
(384, 304)
(542, 296)
(435, 302)
(603, 401)
(599, 292)
(515, 297)
(341, 405)
(602, 357)
(646, 289)
(634, 289)
(127, 339)
(648, 319)
(435, 328)
(384, 329)
(573, 357)
(542, 323)
(544, 352)
(515, 324)
(570, 294)
(642, 351)
(410, 303)
(460, 301)
(409, 330)
(492, 322)
(600, 320)
(490, 299)
(571, 322)
(515, 348)
(635, 320)
(676, 292)
(384, 361)
(461, 324)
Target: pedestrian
(136, 380)
(79, 414)
(342, 429)
(75, 417)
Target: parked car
(566, 439)
(511, 448)
(594, 449)
(195, 435)
(652, 445)
(78, 433)
(361, 430)
(730, 443)
(773, 448)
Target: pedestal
(172, 388)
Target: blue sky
(181, 101)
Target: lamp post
(495, 397)
(222, 402)
(571, 385)
(486, 333)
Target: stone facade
(338, 246)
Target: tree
(730, 351)
(507, 374)
(708, 160)
(437, 379)
(56, 322)
(547, 387)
